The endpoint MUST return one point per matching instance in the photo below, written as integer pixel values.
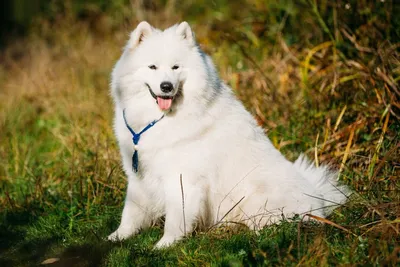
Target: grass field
(321, 78)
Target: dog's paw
(119, 235)
(113, 237)
(165, 242)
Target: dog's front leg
(180, 214)
(135, 215)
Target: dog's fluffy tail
(325, 182)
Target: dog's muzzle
(164, 102)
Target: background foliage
(319, 76)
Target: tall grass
(319, 76)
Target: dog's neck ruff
(136, 138)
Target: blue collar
(136, 138)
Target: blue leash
(136, 138)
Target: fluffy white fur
(209, 138)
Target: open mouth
(163, 101)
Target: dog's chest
(168, 147)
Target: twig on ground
(226, 214)
(183, 205)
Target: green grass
(327, 86)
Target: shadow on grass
(31, 235)
(13, 249)
(84, 255)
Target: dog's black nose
(166, 87)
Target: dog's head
(157, 65)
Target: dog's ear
(185, 31)
(143, 30)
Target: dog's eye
(153, 67)
(175, 67)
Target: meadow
(320, 77)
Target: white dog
(192, 152)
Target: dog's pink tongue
(164, 104)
